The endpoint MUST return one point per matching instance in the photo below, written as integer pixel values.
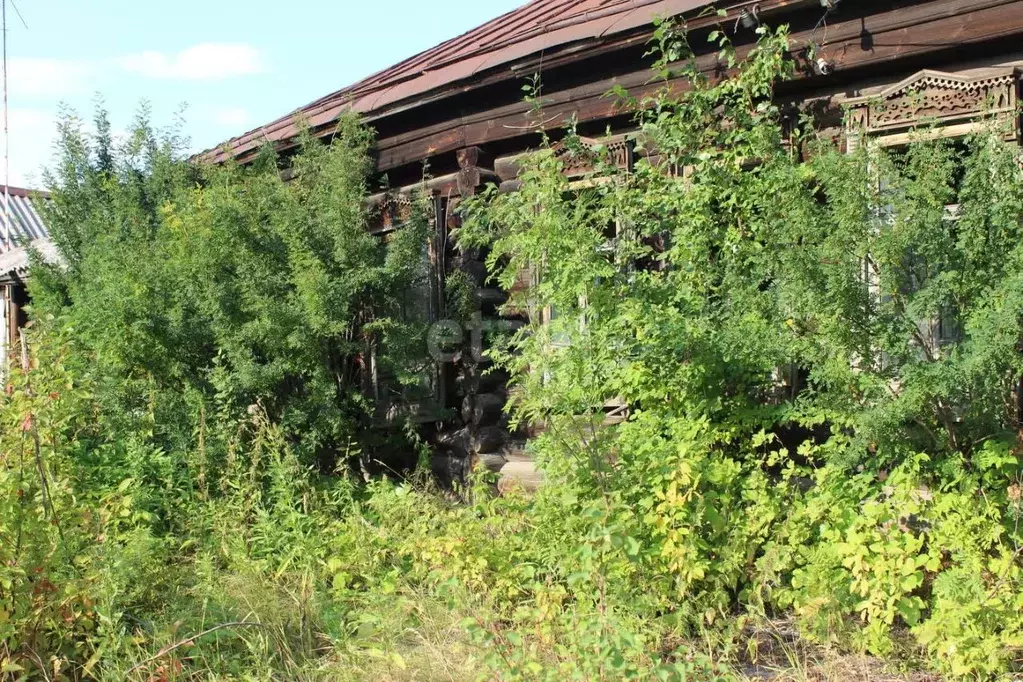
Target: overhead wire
(823, 21)
(18, 12)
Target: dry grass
(416, 639)
(833, 668)
(428, 644)
(782, 656)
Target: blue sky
(235, 63)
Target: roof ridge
(417, 56)
(24, 192)
(365, 86)
(481, 31)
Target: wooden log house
(459, 107)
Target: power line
(18, 12)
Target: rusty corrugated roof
(536, 27)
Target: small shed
(22, 230)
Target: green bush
(799, 440)
(173, 497)
(195, 292)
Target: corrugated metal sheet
(26, 223)
(14, 264)
(536, 27)
(27, 231)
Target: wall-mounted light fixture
(821, 65)
(749, 18)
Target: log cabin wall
(459, 108)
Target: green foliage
(199, 291)
(81, 521)
(799, 438)
(272, 569)
(799, 443)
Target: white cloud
(234, 117)
(32, 76)
(32, 135)
(31, 121)
(207, 61)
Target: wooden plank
(441, 186)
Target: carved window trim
(942, 104)
(581, 164)
(928, 105)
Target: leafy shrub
(799, 438)
(797, 443)
(194, 292)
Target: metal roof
(27, 231)
(538, 26)
(26, 223)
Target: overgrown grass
(128, 569)
(286, 574)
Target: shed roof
(538, 26)
(27, 231)
(26, 223)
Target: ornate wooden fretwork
(393, 210)
(583, 160)
(935, 98)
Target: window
(936, 105)
(420, 305)
(950, 104)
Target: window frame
(394, 213)
(968, 102)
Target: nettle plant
(820, 352)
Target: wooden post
(470, 162)
(5, 328)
